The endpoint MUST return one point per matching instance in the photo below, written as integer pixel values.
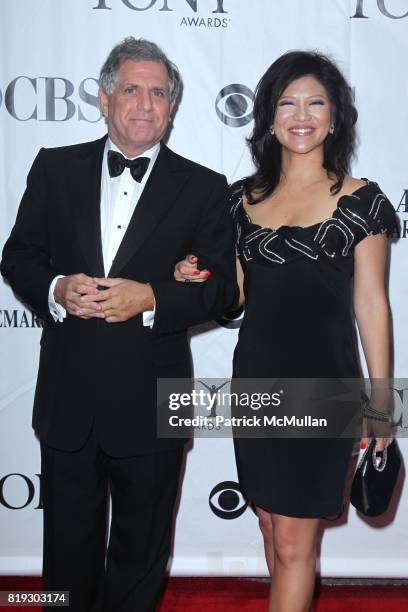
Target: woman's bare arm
(371, 308)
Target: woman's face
(303, 115)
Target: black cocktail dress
(298, 323)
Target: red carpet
(231, 594)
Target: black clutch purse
(375, 478)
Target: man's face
(138, 110)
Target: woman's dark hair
(266, 149)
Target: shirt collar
(151, 153)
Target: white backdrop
(51, 53)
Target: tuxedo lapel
(87, 196)
(161, 190)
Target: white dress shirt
(119, 198)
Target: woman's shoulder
(352, 184)
(363, 202)
(357, 188)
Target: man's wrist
(148, 301)
(58, 290)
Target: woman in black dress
(311, 241)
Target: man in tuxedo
(98, 232)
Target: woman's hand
(377, 415)
(185, 271)
(381, 443)
(382, 432)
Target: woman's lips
(304, 131)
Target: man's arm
(182, 305)
(26, 261)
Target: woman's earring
(272, 130)
(331, 128)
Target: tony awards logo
(161, 5)
(199, 13)
(17, 491)
(384, 6)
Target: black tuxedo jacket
(92, 373)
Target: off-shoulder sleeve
(367, 212)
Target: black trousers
(143, 489)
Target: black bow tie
(117, 163)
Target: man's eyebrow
(132, 84)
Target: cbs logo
(227, 501)
(234, 105)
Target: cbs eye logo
(234, 105)
(227, 501)
(232, 320)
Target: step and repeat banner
(51, 53)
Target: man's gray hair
(137, 50)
